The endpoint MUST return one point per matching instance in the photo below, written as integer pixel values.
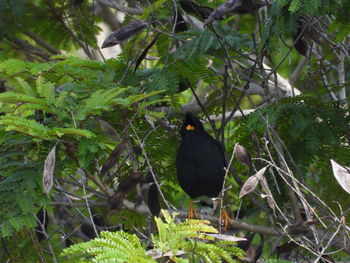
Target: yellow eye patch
(189, 127)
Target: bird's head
(191, 124)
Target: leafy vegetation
(124, 247)
(270, 76)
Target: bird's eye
(190, 127)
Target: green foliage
(314, 7)
(62, 100)
(20, 190)
(174, 240)
(52, 102)
(313, 132)
(110, 247)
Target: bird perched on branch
(200, 163)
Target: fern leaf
(45, 90)
(13, 97)
(151, 8)
(29, 127)
(71, 131)
(26, 88)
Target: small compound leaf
(342, 174)
(113, 157)
(49, 167)
(243, 156)
(124, 33)
(252, 182)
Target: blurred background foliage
(272, 75)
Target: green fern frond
(140, 97)
(151, 8)
(100, 100)
(26, 88)
(13, 97)
(78, 62)
(13, 66)
(26, 126)
(110, 247)
(71, 131)
(172, 238)
(46, 90)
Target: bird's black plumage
(200, 160)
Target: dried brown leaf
(124, 188)
(124, 33)
(152, 199)
(227, 237)
(286, 248)
(342, 174)
(243, 156)
(199, 10)
(266, 188)
(113, 157)
(252, 182)
(109, 130)
(180, 25)
(49, 167)
(144, 53)
(221, 10)
(244, 245)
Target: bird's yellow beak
(189, 127)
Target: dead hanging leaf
(326, 259)
(180, 24)
(124, 33)
(48, 170)
(243, 156)
(228, 237)
(113, 157)
(157, 253)
(252, 182)
(152, 199)
(342, 174)
(221, 10)
(198, 10)
(249, 6)
(125, 187)
(144, 53)
(109, 130)
(254, 252)
(286, 248)
(266, 188)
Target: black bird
(200, 162)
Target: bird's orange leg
(191, 211)
(225, 218)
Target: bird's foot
(191, 212)
(225, 219)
